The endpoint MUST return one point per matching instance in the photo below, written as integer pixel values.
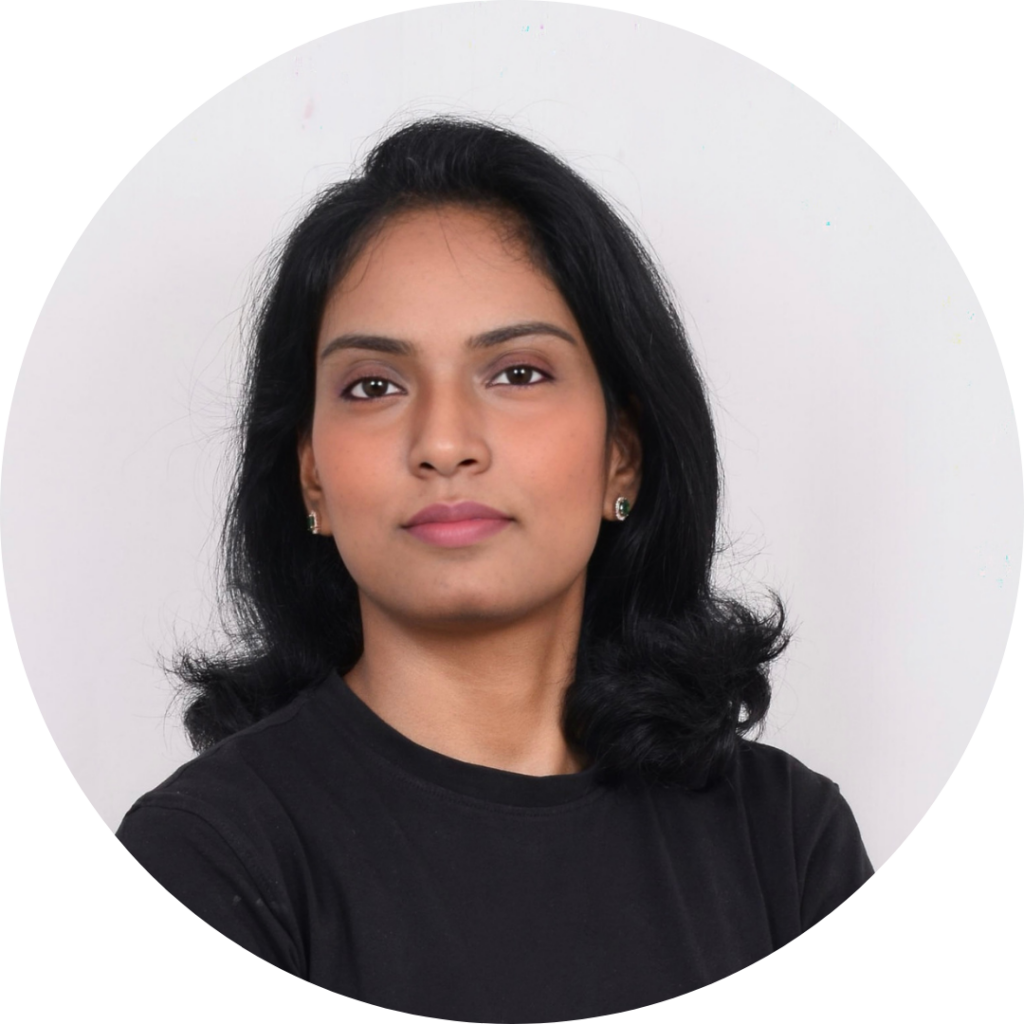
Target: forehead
(444, 265)
(459, 232)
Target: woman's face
(450, 370)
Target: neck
(488, 694)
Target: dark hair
(669, 674)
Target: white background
(871, 464)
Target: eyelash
(347, 392)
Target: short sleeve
(837, 864)
(214, 877)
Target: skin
(467, 650)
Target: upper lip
(453, 513)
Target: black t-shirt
(326, 842)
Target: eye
(521, 376)
(367, 388)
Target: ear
(625, 461)
(309, 481)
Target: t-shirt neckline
(474, 780)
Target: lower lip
(458, 533)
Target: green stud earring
(312, 524)
(622, 508)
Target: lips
(458, 512)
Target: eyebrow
(397, 347)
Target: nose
(448, 432)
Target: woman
(477, 752)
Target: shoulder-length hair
(668, 673)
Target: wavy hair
(669, 674)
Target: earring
(622, 508)
(312, 523)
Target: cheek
(357, 488)
(567, 512)
(572, 453)
(356, 476)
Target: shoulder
(783, 798)
(219, 836)
(799, 815)
(773, 777)
(235, 792)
